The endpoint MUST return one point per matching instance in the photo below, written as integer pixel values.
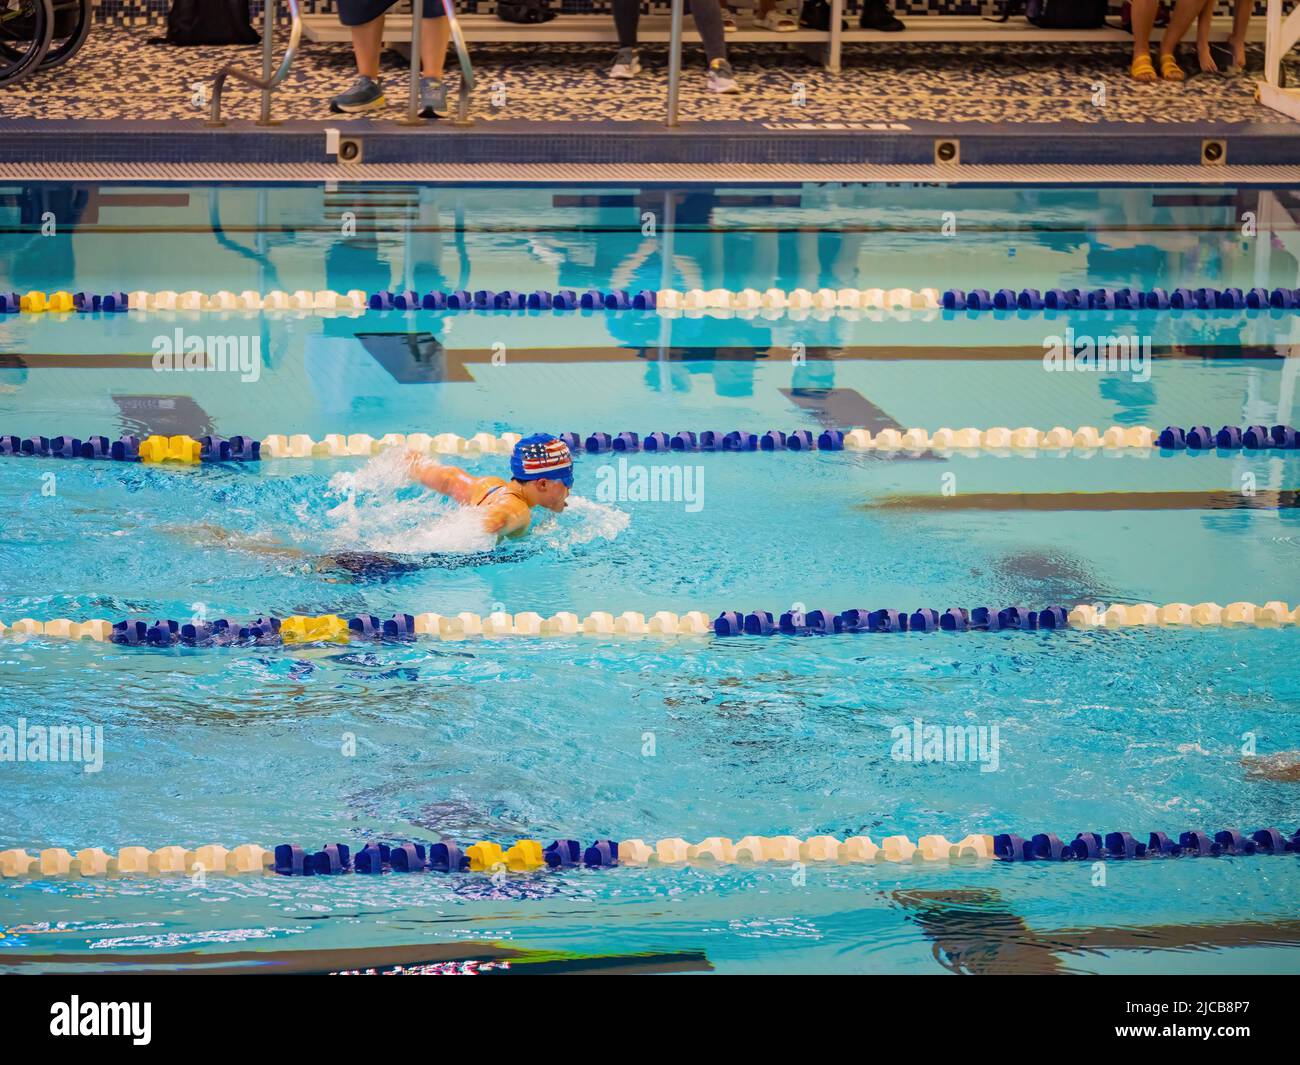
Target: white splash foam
(583, 521)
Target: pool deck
(1026, 105)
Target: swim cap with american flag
(542, 456)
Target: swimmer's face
(553, 495)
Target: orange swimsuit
(493, 492)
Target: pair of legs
(706, 13)
(765, 8)
(365, 18)
(368, 42)
(1184, 14)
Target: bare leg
(1208, 66)
(434, 35)
(1180, 22)
(1241, 13)
(367, 42)
(236, 541)
(1143, 18)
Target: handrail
(674, 62)
(268, 81)
(462, 57)
(417, 60)
(466, 68)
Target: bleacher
(578, 24)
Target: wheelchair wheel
(26, 27)
(71, 28)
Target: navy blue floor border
(1130, 144)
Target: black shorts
(359, 12)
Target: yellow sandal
(1170, 70)
(1143, 69)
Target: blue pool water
(590, 737)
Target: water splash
(582, 522)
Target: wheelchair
(38, 34)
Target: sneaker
(626, 64)
(876, 15)
(721, 77)
(365, 95)
(433, 98)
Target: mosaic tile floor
(120, 74)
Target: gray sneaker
(626, 64)
(365, 95)
(721, 77)
(433, 98)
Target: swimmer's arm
(448, 480)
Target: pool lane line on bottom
(528, 855)
(333, 628)
(998, 440)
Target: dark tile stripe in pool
(360, 959)
(457, 359)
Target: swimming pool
(592, 737)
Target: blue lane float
(1120, 299)
(1228, 438)
(888, 620)
(127, 447)
(1122, 846)
(445, 856)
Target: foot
(1239, 54)
(365, 95)
(721, 77)
(1206, 61)
(626, 64)
(1169, 68)
(778, 22)
(1143, 69)
(433, 98)
(876, 15)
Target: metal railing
(272, 77)
(462, 56)
(674, 62)
(269, 79)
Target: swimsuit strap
(494, 488)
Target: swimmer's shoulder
(484, 485)
(508, 514)
(520, 515)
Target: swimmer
(541, 469)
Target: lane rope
(529, 855)
(333, 628)
(721, 302)
(999, 440)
